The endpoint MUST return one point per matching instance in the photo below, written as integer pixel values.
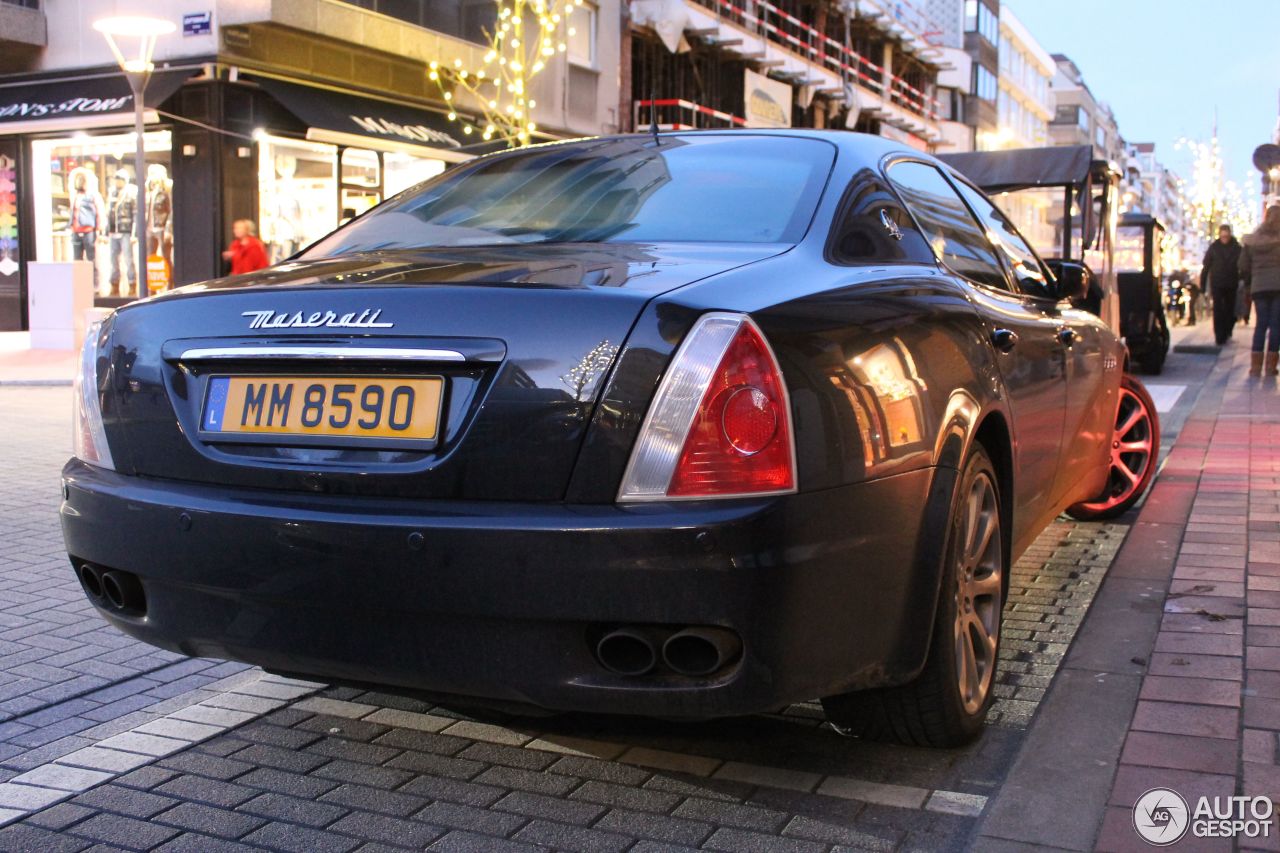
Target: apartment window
(984, 83)
(981, 20)
(581, 37)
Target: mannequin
(122, 206)
(159, 211)
(87, 217)
(286, 234)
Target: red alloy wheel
(1135, 446)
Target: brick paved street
(109, 744)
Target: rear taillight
(89, 439)
(720, 423)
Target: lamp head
(124, 33)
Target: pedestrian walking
(1260, 269)
(246, 252)
(1220, 277)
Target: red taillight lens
(740, 438)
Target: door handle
(1004, 339)
(1067, 336)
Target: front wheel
(947, 703)
(1135, 446)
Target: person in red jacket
(246, 252)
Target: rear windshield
(735, 189)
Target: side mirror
(1073, 280)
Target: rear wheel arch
(994, 436)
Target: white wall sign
(768, 102)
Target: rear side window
(873, 226)
(1022, 259)
(954, 234)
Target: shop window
(86, 197)
(401, 171)
(297, 193)
(361, 181)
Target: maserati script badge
(366, 319)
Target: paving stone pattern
(352, 770)
(1207, 721)
(67, 678)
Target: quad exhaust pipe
(113, 589)
(693, 652)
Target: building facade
(1025, 103)
(1079, 117)
(870, 66)
(296, 114)
(968, 87)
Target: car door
(1023, 330)
(1088, 413)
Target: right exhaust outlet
(124, 591)
(701, 651)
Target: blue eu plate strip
(215, 403)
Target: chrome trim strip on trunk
(320, 352)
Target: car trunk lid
(519, 339)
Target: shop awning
(82, 102)
(354, 120)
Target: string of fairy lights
(1209, 198)
(526, 36)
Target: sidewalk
(1174, 680)
(1209, 708)
(21, 365)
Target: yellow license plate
(369, 407)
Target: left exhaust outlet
(91, 580)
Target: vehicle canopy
(1063, 199)
(1020, 168)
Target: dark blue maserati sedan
(685, 425)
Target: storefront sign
(82, 98)
(73, 106)
(768, 102)
(197, 24)
(349, 113)
(410, 132)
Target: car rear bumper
(828, 591)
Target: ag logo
(1161, 816)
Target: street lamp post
(121, 32)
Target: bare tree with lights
(526, 36)
(1208, 198)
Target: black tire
(933, 710)
(1132, 470)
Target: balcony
(679, 114)
(24, 31)
(793, 50)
